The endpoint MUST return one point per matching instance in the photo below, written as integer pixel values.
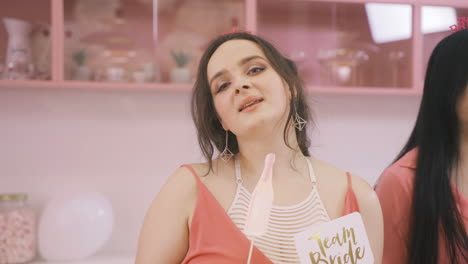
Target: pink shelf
(453, 3)
(459, 3)
(99, 259)
(95, 85)
(188, 87)
(355, 90)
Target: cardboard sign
(341, 241)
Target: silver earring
(299, 122)
(226, 155)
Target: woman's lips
(251, 107)
(251, 100)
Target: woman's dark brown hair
(209, 130)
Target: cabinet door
(25, 40)
(360, 45)
(143, 40)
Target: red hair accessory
(235, 30)
(462, 23)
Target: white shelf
(109, 259)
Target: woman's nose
(243, 86)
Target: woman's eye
(256, 70)
(222, 87)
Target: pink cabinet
(342, 44)
(347, 46)
(142, 41)
(25, 40)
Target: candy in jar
(17, 229)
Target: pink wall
(125, 143)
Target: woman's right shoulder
(184, 178)
(401, 173)
(180, 189)
(167, 221)
(396, 182)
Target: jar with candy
(17, 229)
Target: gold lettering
(350, 255)
(333, 258)
(326, 243)
(336, 239)
(319, 241)
(316, 258)
(348, 237)
(349, 233)
(358, 250)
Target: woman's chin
(259, 125)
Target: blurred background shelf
(340, 47)
(186, 87)
(109, 259)
(359, 90)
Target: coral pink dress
(216, 239)
(395, 191)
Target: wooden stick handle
(250, 251)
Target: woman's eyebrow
(241, 62)
(247, 59)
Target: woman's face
(248, 93)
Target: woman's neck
(252, 153)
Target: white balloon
(75, 226)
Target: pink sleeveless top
(215, 239)
(395, 191)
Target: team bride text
(353, 254)
(340, 241)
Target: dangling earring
(226, 155)
(299, 122)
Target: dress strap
(350, 182)
(351, 202)
(239, 179)
(313, 179)
(192, 171)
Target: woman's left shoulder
(364, 190)
(337, 177)
(336, 185)
(365, 194)
(371, 212)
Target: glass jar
(17, 229)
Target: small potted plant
(82, 72)
(181, 74)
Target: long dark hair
(210, 132)
(437, 134)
